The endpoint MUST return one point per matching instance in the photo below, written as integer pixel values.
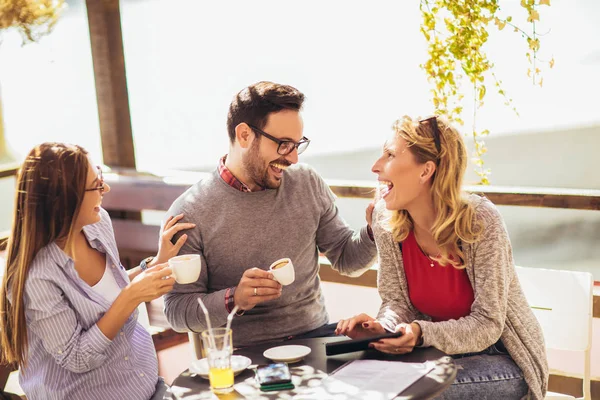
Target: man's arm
(181, 304)
(351, 253)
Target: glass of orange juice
(218, 350)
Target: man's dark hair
(253, 104)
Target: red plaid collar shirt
(230, 179)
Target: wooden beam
(357, 190)
(157, 193)
(133, 235)
(141, 193)
(8, 170)
(574, 199)
(328, 274)
(104, 19)
(572, 386)
(168, 338)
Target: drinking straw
(228, 327)
(211, 337)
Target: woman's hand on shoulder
(166, 248)
(359, 326)
(151, 283)
(411, 335)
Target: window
(47, 94)
(47, 88)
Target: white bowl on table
(290, 354)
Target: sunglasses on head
(432, 121)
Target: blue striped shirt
(69, 357)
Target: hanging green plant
(32, 18)
(456, 31)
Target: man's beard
(257, 168)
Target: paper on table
(371, 379)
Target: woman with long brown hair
(69, 309)
(447, 276)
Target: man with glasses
(259, 206)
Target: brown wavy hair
(434, 139)
(50, 189)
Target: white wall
(7, 202)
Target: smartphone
(273, 374)
(348, 346)
(282, 386)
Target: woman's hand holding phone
(411, 335)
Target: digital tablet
(348, 346)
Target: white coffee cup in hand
(283, 271)
(186, 268)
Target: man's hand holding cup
(256, 286)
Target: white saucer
(238, 363)
(289, 354)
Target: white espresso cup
(186, 268)
(283, 271)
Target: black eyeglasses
(100, 178)
(284, 147)
(436, 131)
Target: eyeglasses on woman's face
(100, 179)
(284, 147)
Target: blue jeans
(486, 375)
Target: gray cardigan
(499, 310)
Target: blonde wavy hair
(455, 217)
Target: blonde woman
(68, 307)
(447, 277)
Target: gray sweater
(238, 230)
(499, 310)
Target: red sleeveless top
(443, 293)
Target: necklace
(431, 260)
